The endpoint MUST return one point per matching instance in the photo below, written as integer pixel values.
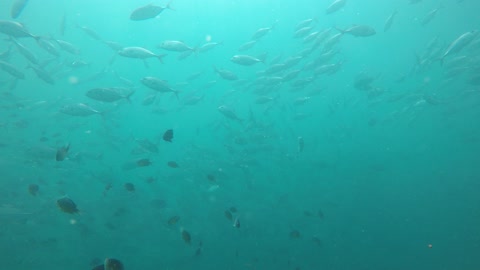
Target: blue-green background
(391, 174)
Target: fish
(139, 53)
(158, 85)
(110, 94)
(129, 187)
(149, 11)
(168, 135)
(429, 17)
(229, 113)
(305, 23)
(68, 47)
(245, 60)
(113, 264)
(335, 6)
(301, 144)
(172, 164)
(302, 32)
(175, 46)
(79, 109)
(33, 189)
(246, 46)
(262, 32)
(47, 46)
(12, 70)
(147, 145)
(186, 237)
(173, 220)
(208, 46)
(295, 234)
(459, 43)
(17, 8)
(42, 74)
(359, 31)
(62, 153)
(90, 32)
(228, 215)
(63, 22)
(226, 74)
(29, 55)
(66, 205)
(15, 29)
(144, 162)
(389, 21)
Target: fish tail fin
(169, 5)
(160, 57)
(127, 97)
(340, 30)
(176, 93)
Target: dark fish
(301, 144)
(173, 220)
(62, 153)
(149, 11)
(99, 267)
(211, 177)
(33, 189)
(295, 234)
(113, 264)
(186, 237)
(172, 164)
(129, 187)
(168, 135)
(233, 209)
(67, 205)
(144, 162)
(228, 215)
(17, 8)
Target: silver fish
(12, 70)
(14, 29)
(110, 94)
(389, 21)
(79, 109)
(262, 32)
(158, 85)
(25, 52)
(459, 43)
(140, 53)
(429, 17)
(68, 47)
(246, 46)
(17, 8)
(305, 23)
(208, 46)
(229, 113)
(226, 74)
(335, 6)
(146, 12)
(175, 45)
(302, 32)
(245, 60)
(42, 74)
(359, 31)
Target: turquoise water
(387, 177)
